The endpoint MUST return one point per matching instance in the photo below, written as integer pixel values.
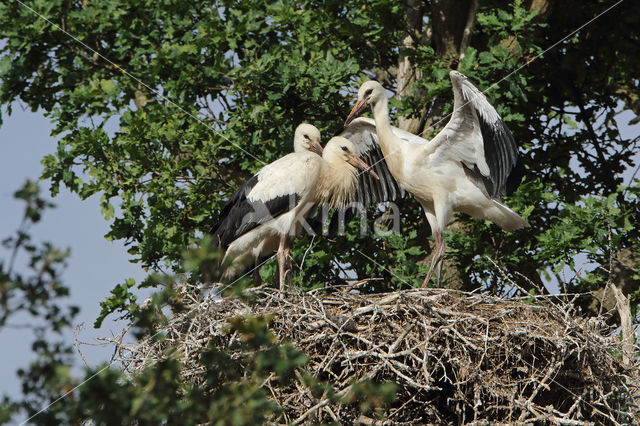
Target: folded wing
(276, 189)
(370, 191)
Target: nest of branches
(455, 357)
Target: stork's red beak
(316, 147)
(356, 111)
(359, 163)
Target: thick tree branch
(449, 20)
(623, 269)
(468, 28)
(624, 311)
(407, 73)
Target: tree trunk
(407, 73)
(450, 19)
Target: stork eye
(368, 92)
(345, 149)
(306, 137)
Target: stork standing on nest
(270, 209)
(236, 232)
(465, 168)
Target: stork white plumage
(464, 168)
(233, 232)
(269, 210)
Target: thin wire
(147, 339)
(431, 126)
(224, 287)
(383, 267)
(553, 46)
(531, 365)
(65, 395)
(228, 140)
(160, 96)
(524, 361)
(128, 74)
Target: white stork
(268, 210)
(464, 168)
(230, 227)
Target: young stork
(465, 168)
(241, 252)
(270, 209)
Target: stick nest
(455, 357)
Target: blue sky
(95, 265)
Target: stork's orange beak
(359, 163)
(356, 111)
(316, 147)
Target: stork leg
(281, 270)
(437, 221)
(438, 252)
(443, 248)
(284, 261)
(287, 263)
(257, 279)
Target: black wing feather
(370, 191)
(501, 154)
(514, 178)
(500, 149)
(237, 197)
(240, 215)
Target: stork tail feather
(506, 218)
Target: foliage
(231, 394)
(38, 294)
(180, 104)
(165, 108)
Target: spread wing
(276, 189)
(477, 136)
(370, 191)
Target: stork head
(369, 94)
(342, 149)
(307, 137)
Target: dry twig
(456, 357)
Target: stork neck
(390, 144)
(337, 183)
